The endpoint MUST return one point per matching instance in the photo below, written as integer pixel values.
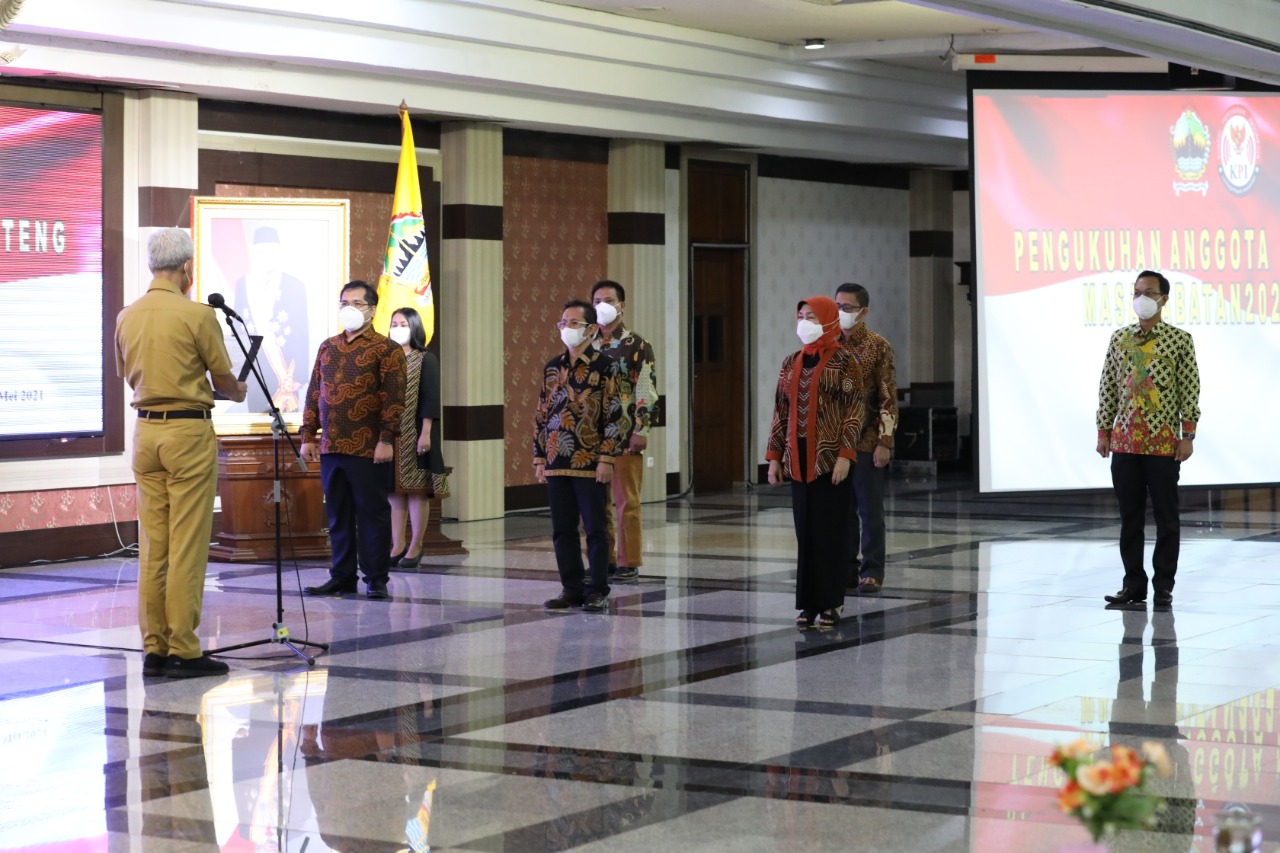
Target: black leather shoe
(396, 558)
(563, 601)
(1126, 596)
(333, 586)
(153, 664)
(627, 573)
(194, 667)
(1164, 599)
(595, 603)
(378, 591)
(409, 562)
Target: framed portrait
(278, 263)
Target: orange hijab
(828, 314)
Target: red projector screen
(1075, 192)
(50, 273)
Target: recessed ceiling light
(815, 44)
(650, 9)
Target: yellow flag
(406, 274)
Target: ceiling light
(815, 44)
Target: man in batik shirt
(636, 385)
(1148, 406)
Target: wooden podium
(245, 485)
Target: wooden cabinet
(246, 488)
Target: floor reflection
(461, 716)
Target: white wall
(810, 237)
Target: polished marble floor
(693, 716)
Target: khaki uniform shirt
(165, 344)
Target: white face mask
(605, 313)
(352, 319)
(573, 338)
(808, 331)
(399, 334)
(1145, 307)
(849, 319)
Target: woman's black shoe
(410, 562)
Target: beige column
(932, 277)
(471, 317)
(637, 255)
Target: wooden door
(718, 353)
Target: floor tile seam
(677, 680)
(446, 704)
(744, 771)
(915, 728)
(773, 704)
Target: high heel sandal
(804, 619)
(830, 618)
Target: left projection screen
(51, 370)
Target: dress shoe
(1126, 596)
(1164, 599)
(153, 664)
(333, 586)
(378, 591)
(869, 586)
(627, 573)
(563, 601)
(409, 562)
(595, 602)
(194, 667)
(396, 558)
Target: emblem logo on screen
(1190, 144)
(1238, 151)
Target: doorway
(718, 283)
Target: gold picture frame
(279, 264)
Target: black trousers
(1135, 478)
(572, 498)
(821, 512)
(355, 499)
(866, 519)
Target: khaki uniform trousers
(175, 464)
(625, 543)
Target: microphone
(217, 301)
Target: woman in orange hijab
(817, 416)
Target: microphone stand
(279, 631)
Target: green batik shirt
(1149, 394)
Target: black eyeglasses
(345, 304)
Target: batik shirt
(875, 355)
(356, 395)
(1149, 394)
(579, 417)
(636, 371)
(828, 416)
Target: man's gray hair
(169, 249)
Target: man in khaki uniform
(165, 344)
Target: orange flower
(1095, 778)
(1159, 758)
(1070, 797)
(1072, 751)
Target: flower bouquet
(1107, 796)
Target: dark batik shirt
(578, 423)
(356, 395)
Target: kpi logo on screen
(1238, 151)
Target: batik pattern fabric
(875, 355)
(637, 371)
(832, 410)
(356, 396)
(1149, 393)
(579, 421)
